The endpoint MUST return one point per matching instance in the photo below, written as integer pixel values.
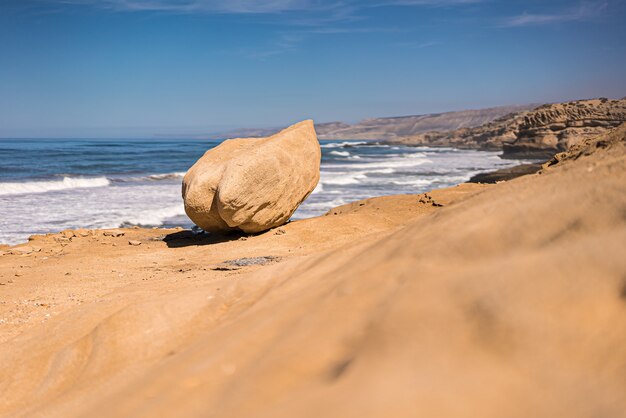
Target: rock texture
(506, 174)
(253, 184)
(555, 128)
(614, 142)
(537, 134)
(489, 136)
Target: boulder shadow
(187, 238)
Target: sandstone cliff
(555, 128)
(489, 136)
(539, 133)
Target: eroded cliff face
(537, 134)
(489, 136)
(556, 128)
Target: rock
(68, 233)
(534, 134)
(253, 184)
(489, 136)
(82, 233)
(245, 262)
(505, 174)
(113, 233)
(22, 250)
(615, 140)
(555, 128)
(134, 243)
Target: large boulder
(253, 184)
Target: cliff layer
(539, 133)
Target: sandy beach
(505, 299)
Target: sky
(144, 68)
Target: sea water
(48, 185)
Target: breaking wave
(30, 187)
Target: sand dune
(480, 300)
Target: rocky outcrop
(253, 184)
(489, 136)
(555, 128)
(612, 143)
(536, 134)
(506, 174)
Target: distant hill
(390, 128)
(403, 126)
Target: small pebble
(135, 243)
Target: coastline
(369, 310)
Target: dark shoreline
(506, 174)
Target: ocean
(48, 185)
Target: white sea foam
(390, 163)
(342, 178)
(318, 189)
(151, 177)
(150, 217)
(340, 153)
(30, 187)
(167, 176)
(413, 182)
(344, 144)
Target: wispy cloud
(300, 19)
(336, 7)
(286, 42)
(417, 45)
(197, 6)
(426, 2)
(585, 11)
(289, 41)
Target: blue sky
(137, 68)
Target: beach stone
(113, 233)
(68, 233)
(245, 262)
(253, 184)
(22, 250)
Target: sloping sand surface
(501, 300)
